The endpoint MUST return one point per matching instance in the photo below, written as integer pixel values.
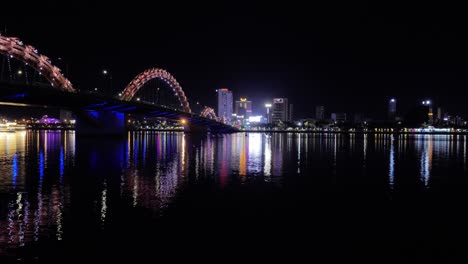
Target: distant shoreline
(356, 132)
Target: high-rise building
(225, 104)
(338, 117)
(320, 112)
(290, 113)
(430, 114)
(280, 110)
(243, 108)
(268, 112)
(439, 113)
(392, 109)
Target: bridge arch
(153, 73)
(208, 112)
(14, 47)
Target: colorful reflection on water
(51, 180)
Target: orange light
(243, 99)
(183, 121)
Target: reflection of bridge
(96, 113)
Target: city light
(267, 105)
(183, 121)
(104, 72)
(20, 72)
(392, 100)
(255, 119)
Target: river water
(333, 197)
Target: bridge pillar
(100, 123)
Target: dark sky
(349, 57)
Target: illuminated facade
(243, 108)
(280, 110)
(225, 105)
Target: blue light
(14, 169)
(94, 114)
(113, 107)
(41, 165)
(128, 108)
(96, 105)
(62, 163)
(21, 95)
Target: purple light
(49, 120)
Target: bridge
(96, 113)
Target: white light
(104, 71)
(392, 100)
(428, 102)
(138, 99)
(95, 89)
(255, 119)
(20, 72)
(267, 105)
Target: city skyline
(373, 53)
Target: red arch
(208, 112)
(135, 85)
(15, 48)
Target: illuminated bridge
(28, 78)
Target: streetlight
(107, 81)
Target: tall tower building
(392, 109)
(430, 114)
(290, 113)
(243, 107)
(280, 110)
(225, 104)
(320, 112)
(439, 113)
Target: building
(392, 108)
(430, 114)
(439, 114)
(280, 110)
(243, 108)
(320, 112)
(224, 105)
(338, 117)
(268, 112)
(290, 112)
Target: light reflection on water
(41, 171)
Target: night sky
(348, 57)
